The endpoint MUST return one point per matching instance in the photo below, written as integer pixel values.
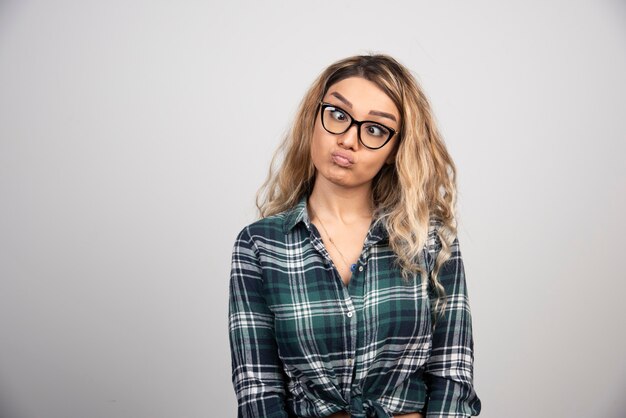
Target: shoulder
(270, 228)
(437, 230)
(437, 233)
(433, 241)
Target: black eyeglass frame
(358, 123)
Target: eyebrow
(372, 112)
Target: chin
(338, 174)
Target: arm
(256, 368)
(449, 370)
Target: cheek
(318, 147)
(375, 160)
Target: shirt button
(349, 314)
(360, 268)
(350, 361)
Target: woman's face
(342, 159)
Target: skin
(340, 196)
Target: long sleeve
(257, 373)
(449, 370)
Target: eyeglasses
(372, 135)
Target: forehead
(364, 96)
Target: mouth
(341, 160)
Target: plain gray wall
(134, 134)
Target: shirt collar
(299, 213)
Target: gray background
(134, 134)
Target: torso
(350, 241)
(297, 259)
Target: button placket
(349, 307)
(352, 326)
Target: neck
(346, 205)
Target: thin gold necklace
(332, 242)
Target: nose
(350, 138)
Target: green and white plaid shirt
(303, 344)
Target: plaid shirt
(303, 344)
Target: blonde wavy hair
(417, 189)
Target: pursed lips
(342, 159)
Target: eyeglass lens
(337, 121)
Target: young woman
(348, 296)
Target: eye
(338, 114)
(373, 129)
